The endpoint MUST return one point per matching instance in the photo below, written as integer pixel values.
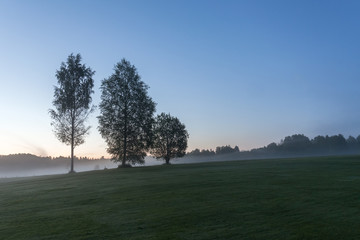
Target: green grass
(310, 198)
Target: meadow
(300, 198)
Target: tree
(207, 152)
(236, 149)
(296, 143)
(170, 138)
(352, 143)
(72, 100)
(226, 149)
(272, 147)
(337, 142)
(320, 142)
(196, 152)
(351, 140)
(126, 115)
(358, 139)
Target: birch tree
(72, 103)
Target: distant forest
(297, 144)
(292, 146)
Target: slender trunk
(73, 111)
(72, 158)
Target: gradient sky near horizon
(243, 73)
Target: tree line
(294, 144)
(209, 152)
(126, 121)
(319, 144)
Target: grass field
(309, 198)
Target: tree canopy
(126, 115)
(170, 138)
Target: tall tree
(126, 115)
(170, 138)
(72, 102)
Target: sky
(243, 73)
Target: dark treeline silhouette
(297, 144)
(218, 151)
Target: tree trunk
(72, 157)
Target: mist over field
(24, 165)
(27, 165)
(294, 146)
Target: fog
(261, 156)
(27, 165)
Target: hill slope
(311, 198)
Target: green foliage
(72, 99)
(126, 117)
(226, 149)
(170, 138)
(203, 153)
(210, 153)
(309, 198)
(296, 142)
(75, 85)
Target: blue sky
(243, 73)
